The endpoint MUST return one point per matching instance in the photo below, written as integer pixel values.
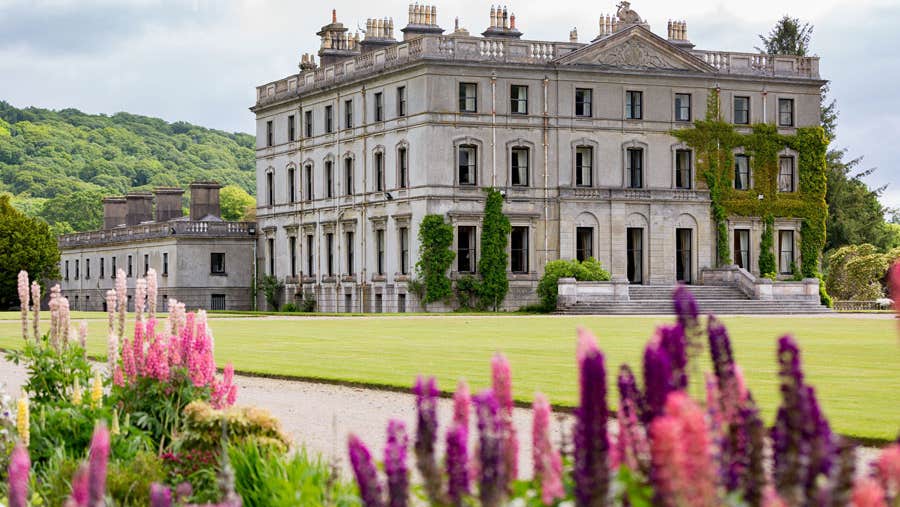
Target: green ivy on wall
(435, 258)
(714, 141)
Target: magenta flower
(724, 367)
(80, 487)
(632, 448)
(868, 493)
(457, 464)
(657, 379)
(366, 474)
(462, 399)
(160, 495)
(547, 461)
(395, 464)
(502, 386)
(686, 308)
(491, 481)
(672, 340)
(426, 392)
(591, 469)
(97, 461)
(19, 468)
(887, 470)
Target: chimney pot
(168, 203)
(204, 199)
(139, 208)
(114, 211)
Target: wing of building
(363, 142)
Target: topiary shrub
(588, 270)
(435, 257)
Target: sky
(200, 60)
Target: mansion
(377, 131)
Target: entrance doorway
(635, 251)
(683, 255)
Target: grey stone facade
(200, 260)
(555, 125)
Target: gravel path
(320, 416)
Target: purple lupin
(426, 392)
(395, 464)
(19, 468)
(591, 468)
(457, 465)
(491, 482)
(97, 462)
(673, 341)
(365, 472)
(657, 380)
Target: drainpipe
(363, 215)
(493, 129)
(335, 169)
(546, 139)
(765, 93)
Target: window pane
(635, 167)
(786, 112)
(584, 241)
(682, 107)
(742, 110)
(741, 172)
(583, 167)
(467, 97)
(786, 175)
(582, 102)
(683, 169)
(519, 171)
(467, 165)
(519, 250)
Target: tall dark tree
(25, 243)
(494, 259)
(788, 37)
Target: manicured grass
(853, 362)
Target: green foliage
(466, 290)
(858, 272)
(235, 203)
(494, 259)
(51, 373)
(767, 247)
(203, 426)
(25, 243)
(788, 37)
(128, 481)
(435, 257)
(47, 153)
(266, 478)
(81, 210)
(714, 141)
(272, 289)
(289, 308)
(588, 270)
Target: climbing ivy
(494, 259)
(435, 257)
(766, 248)
(714, 141)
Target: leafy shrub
(766, 260)
(466, 291)
(272, 289)
(203, 427)
(494, 259)
(289, 308)
(128, 481)
(308, 304)
(435, 257)
(859, 272)
(588, 270)
(51, 373)
(7, 430)
(264, 478)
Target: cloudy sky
(199, 60)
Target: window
(467, 164)
(518, 99)
(348, 114)
(270, 188)
(379, 171)
(217, 261)
(402, 168)
(292, 251)
(129, 273)
(633, 105)
(379, 303)
(379, 245)
(348, 236)
(271, 255)
(310, 267)
(307, 169)
(269, 133)
(786, 174)
(292, 128)
(146, 264)
(348, 303)
(348, 176)
(329, 179)
(165, 266)
(217, 301)
(682, 107)
(87, 269)
(683, 169)
(401, 101)
(329, 246)
(401, 303)
(741, 172)
(742, 248)
(67, 270)
(518, 250)
(583, 102)
(465, 249)
(683, 255)
(102, 267)
(584, 171)
(742, 110)
(113, 269)
(634, 250)
(404, 251)
(329, 119)
(308, 123)
(584, 243)
(519, 176)
(292, 185)
(635, 160)
(468, 97)
(786, 112)
(77, 273)
(786, 251)
(379, 107)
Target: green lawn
(853, 362)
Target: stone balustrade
(154, 230)
(762, 289)
(758, 64)
(571, 291)
(635, 194)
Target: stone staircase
(718, 300)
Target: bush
(858, 272)
(494, 259)
(289, 308)
(128, 481)
(588, 270)
(466, 291)
(435, 257)
(202, 428)
(272, 289)
(51, 372)
(766, 261)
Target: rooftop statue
(626, 15)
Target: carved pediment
(635, 48)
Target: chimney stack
(503, 24)
(678, 34)
(422, 20)
(204, 200)
(168, 203)
(114, 211)
(139, 208)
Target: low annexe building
(353, 152)
(200, 259)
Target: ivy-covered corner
(714, 142)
